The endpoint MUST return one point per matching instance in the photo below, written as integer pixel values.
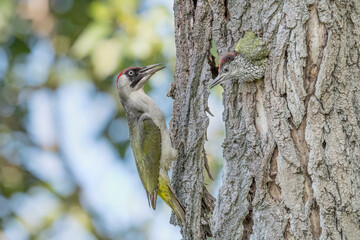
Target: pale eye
(131, 73)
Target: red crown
(228, 57)
(117, 79)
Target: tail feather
(165, 192)
(177, 208)
(152, 199)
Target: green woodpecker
(149, 136)
(235, 66)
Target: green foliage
(91, 41)
(18, 47)
(214, 52)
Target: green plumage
(149, 137)
(145, 140)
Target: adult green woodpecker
(149, 136)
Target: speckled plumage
(233, 65)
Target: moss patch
(253, 48)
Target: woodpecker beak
(150, 70)
(145, 74)
(217, 80)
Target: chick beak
(217, 80)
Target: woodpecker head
(227, 70)
(134, 78)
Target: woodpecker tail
(165, 192)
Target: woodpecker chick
(149, 136)
(235, 66)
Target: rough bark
(292, 154)
(190, 121)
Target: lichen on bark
(253, 48)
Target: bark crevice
(248, 222)
(315, 226)
(274, 189)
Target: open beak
(216, 81)
(145, 74)
(150, 70)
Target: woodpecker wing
(145, 139)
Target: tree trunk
(292, 146)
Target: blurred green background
(66, 168)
